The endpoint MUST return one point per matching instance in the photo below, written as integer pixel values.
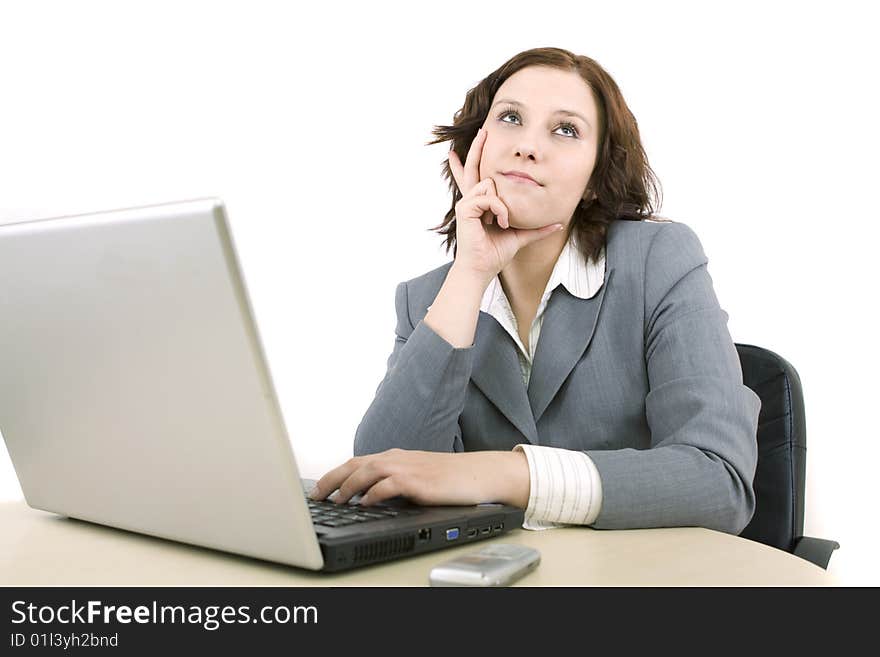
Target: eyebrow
(559, 111)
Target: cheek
(581, 180)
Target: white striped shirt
(564, 485)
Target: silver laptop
(134, 393)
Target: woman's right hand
(482, 246)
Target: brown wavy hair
(621, 177)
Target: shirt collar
(580, 277)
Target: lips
(520, 176)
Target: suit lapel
(568, 327)
(569, 324)
(497, 373)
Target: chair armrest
(815, 550)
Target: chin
(520, 224)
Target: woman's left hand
(431, 478)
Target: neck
(526, 275)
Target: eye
(507, 111)
(570, 127)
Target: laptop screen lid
(134, 391)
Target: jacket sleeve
(700, 466)
(419, 401)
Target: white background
(760, 120)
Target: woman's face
(555, 148)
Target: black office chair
(780, 479)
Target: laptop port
(425, 534)
(485, 530)
(452, 533)
(471, 533)
(498, 527)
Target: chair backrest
(780, 478)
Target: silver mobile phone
(494, 565)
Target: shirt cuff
(564, 487)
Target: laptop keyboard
(331, 514)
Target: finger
(371, 471)
(503, 221)
(455, 168)
(481, 189)
(331, 480)
(486, 187)
(382, 490)
(493, 204)
(472, 164)
(458, 171)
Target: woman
(635, 416)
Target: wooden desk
(39, 548)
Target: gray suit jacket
(644, 377)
